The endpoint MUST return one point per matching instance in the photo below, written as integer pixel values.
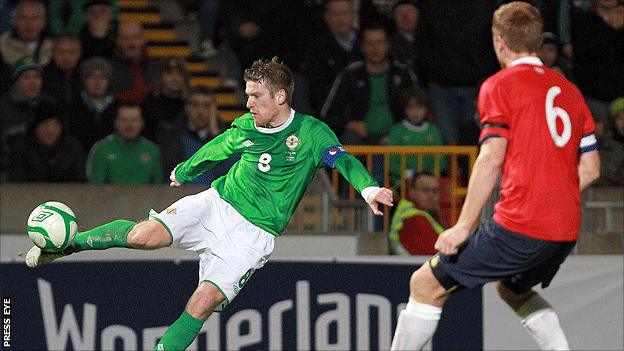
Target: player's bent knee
(425, 288)
(204, 301)
(149, 234)
(513, 299)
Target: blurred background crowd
(85, 97)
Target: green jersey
(275, 167)
(114, 160)
(406, 133)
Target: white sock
(417, 323)
(542, 323)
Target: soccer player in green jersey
(232, 225)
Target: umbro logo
(247, 143)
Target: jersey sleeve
(588, 140)
(207, 157)
(493, 111)
(330, 152)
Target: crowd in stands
(81, 99)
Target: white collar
(528, 60)
(411, 126)
(277, 129)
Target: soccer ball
(52, 226)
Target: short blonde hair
(273, 74)
(520, 25)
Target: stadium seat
(160, 31)
(209, 78)
(196, 65)
(228, 113)
(147, 14)
(225, 96)
(133, 3)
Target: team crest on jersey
(292, 142)
(145, 157)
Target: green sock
(113, 234)
(180, 334)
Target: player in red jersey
(537, 131)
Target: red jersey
(547, 125)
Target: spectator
(21, 103)
(61, 79)
(375, 11)
(550, 54)
(92, 115)
(405, 43)
(166, 100)
(5, 77)
(65, 16)
(331, 51)
(99, 30)
(557, 19)
(208, 16)
(47, 153)
(7, 8)
(255, 29)
(27, 38)
(415, 130)
(611, 146)
(417, 220)
(457, 54)
(125, 157)
(611, 157)
(195, 126)
(598, 40)
(617, 115)
(133, 72)
(242, 22)
(365, 99)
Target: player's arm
(589, 160)
(357, 175)
(330, 153)
(484, 176)
(207, 157)
(588, 168)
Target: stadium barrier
(333, 304)
(378, 160)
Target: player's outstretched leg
(113, 234)
(419, 320)
(538, 318)
(145, 235)
(183, 331)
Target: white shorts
(230, 248)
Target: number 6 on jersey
(552, 112)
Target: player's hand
(174, 181)
(379, 196)
(451, 239)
